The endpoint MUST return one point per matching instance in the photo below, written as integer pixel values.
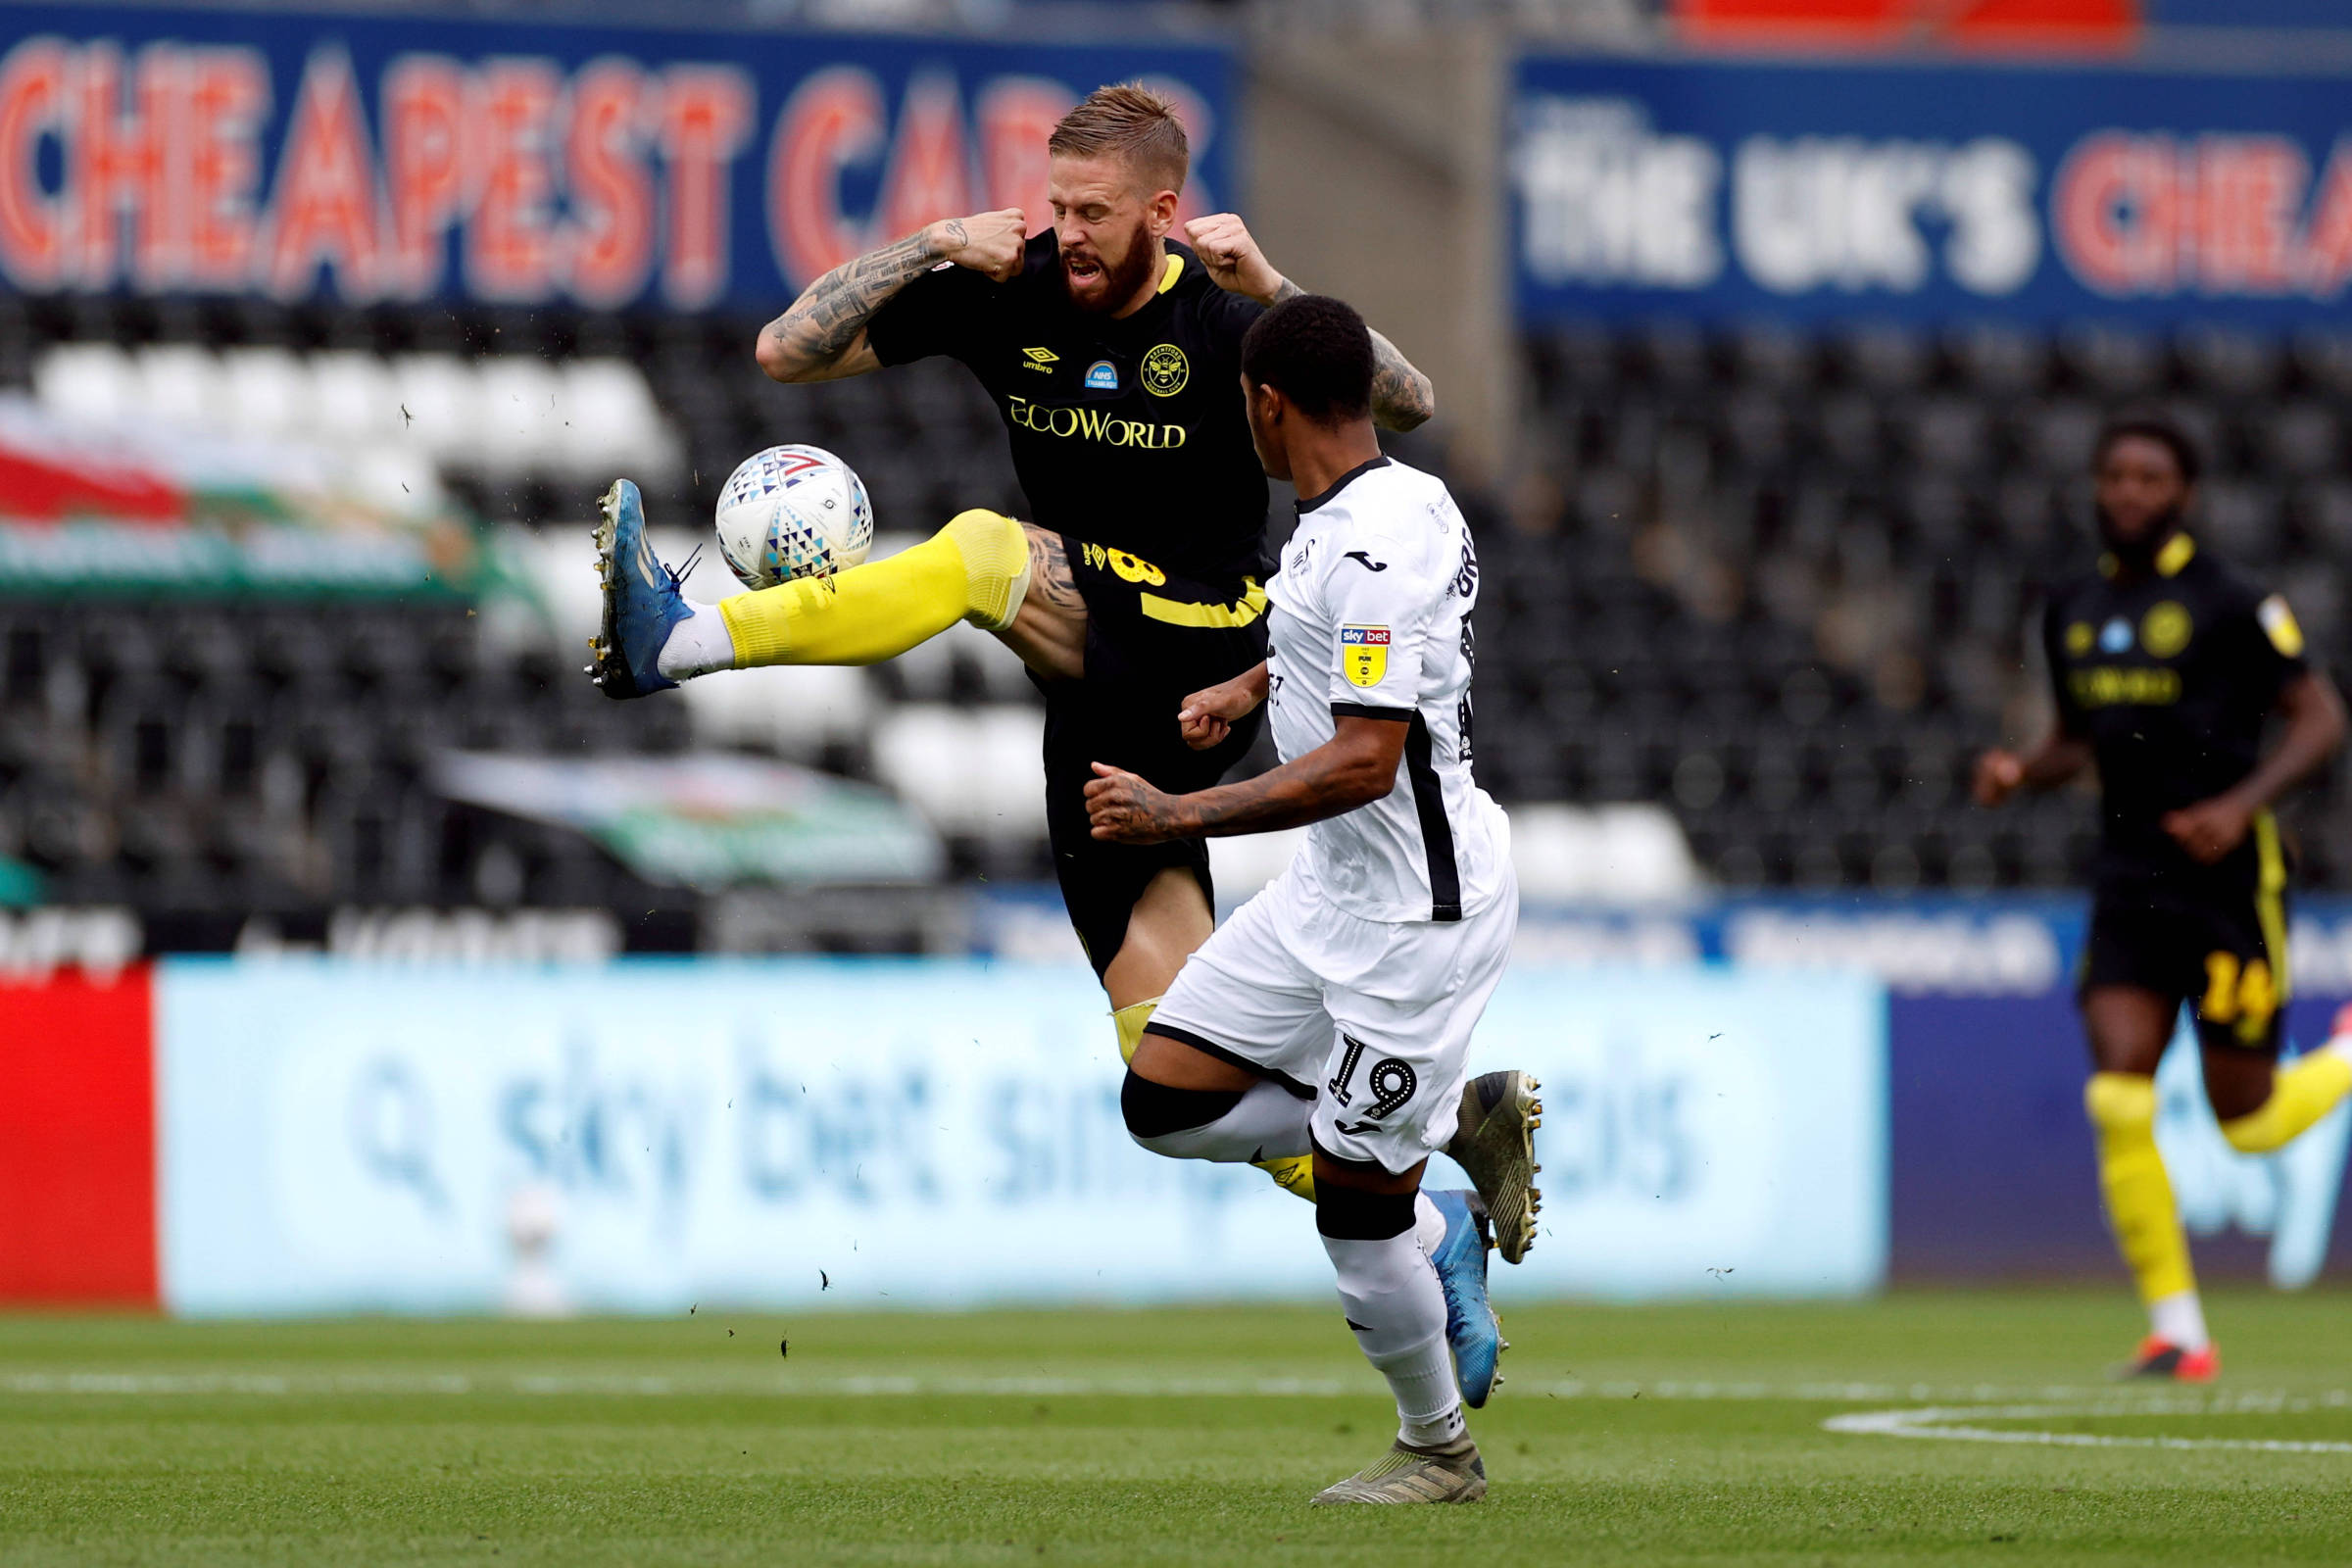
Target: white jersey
(1371, 616)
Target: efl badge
(1364, 654)
(2279, 623)
(1164, 371)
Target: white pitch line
(1934, 1422)
(790, 1384)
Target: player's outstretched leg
(1398, 1310)
(1495, 1143)
(2147, 1221)
(2304, 1091)
(1293, 1173)
(974, 569)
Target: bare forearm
(825, 322)
(1401, 396)
(2055, 760)
(2315, 732)
(1324, 783)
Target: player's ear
(1159, 214)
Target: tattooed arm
(1401, 396)
(1356, 767)
(823, 337)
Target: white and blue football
(793, 511)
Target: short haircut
(1131, 123)
(2154, 427)
(1318, 352)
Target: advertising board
(1931, 191)
(292, 155)
(646, 1136)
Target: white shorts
(1370, 1018)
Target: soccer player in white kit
(1333, 1013)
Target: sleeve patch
(2278, 624)
(1364, 654)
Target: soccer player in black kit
(2166, 667)
(1113, 355)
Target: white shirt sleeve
(1381, 601)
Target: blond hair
(1131, 123)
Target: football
(793, 511)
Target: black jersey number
(1391, 1081)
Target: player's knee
(2119, 1102)
(2252, 1133)
(1356, 1214)
(1156, 1113)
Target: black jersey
(2171, 678)
(1126, 432)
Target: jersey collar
(2177, 552)
(1310, 502)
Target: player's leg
(2129, 1026)
(2262, 1107)
(1397, 1309)
(977, 569)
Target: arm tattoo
(1401, 396)
(827, 318)
(1326, 782)
(1052, 567)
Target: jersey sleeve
(1382, 601)
(2264, 644)
(935, 313)
(1225, 318)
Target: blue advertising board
(1937, 193)
(643, 1136)
(363, 158)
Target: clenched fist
(1235, 262)
(986, 242)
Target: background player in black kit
(1113, 356)
(2166, 667)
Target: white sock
(698, 645)
(1392, 1302)
(1429, 1226)
(2178, 1319)
(1268, 1124)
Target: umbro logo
(1367, 562)
(1041, 360)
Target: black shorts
(2222, 954)
(1151, 640)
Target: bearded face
(1105, 225)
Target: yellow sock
(2301, 1094)
(1129, 1021)
(2140, 1196)
(1294, 1174)
(976, 568)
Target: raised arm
(1401, 396)
(821, 336)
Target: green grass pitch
(1688, 1433)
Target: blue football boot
(642, 599)
(1472, 1329)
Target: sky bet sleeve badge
(1364, 654)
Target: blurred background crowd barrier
(1770, 339)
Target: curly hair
(1318, 352)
